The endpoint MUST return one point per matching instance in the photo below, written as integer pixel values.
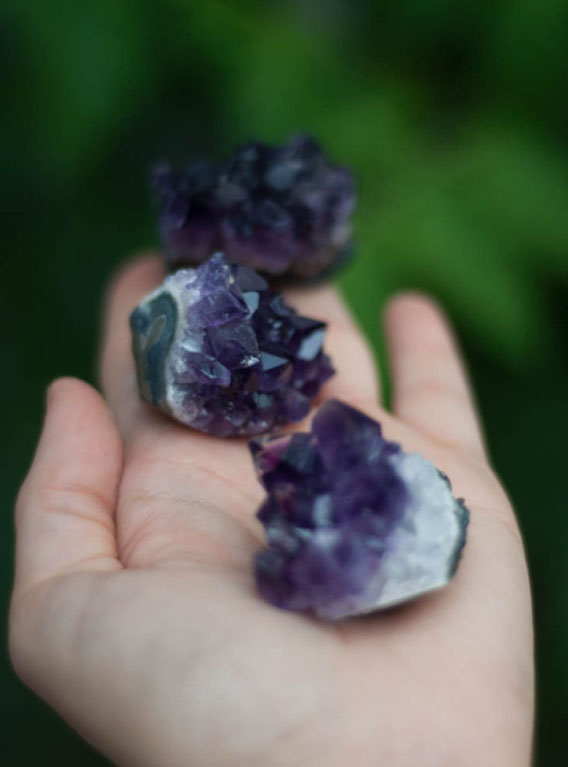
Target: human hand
(134, 611)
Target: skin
(134, 613)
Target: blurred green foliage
(453, 117)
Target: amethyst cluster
(354, 524)
(283, 210)
(219, 352)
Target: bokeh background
(454, 118)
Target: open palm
(134, 611)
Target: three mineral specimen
(354, 523)
(219, 352)
(282, 210)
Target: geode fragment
(282, 210)
(354, 523)
(215, 349)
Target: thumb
(65, 509)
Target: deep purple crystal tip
(217, 350)
(354, 523)
(284, 210)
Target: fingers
(355, 379)
(118, 376)
(431, 391)
(64, 513)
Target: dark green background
(453, 116)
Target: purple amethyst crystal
(354, 524)
(215, 349)
(283, 210)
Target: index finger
(117, 370)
